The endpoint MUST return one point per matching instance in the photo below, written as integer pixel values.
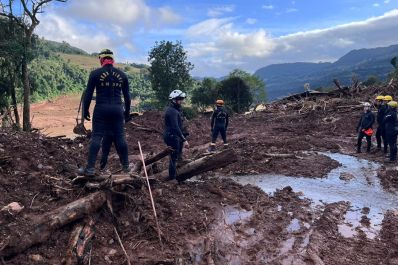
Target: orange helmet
(220, 102)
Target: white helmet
(177, 94)
(366, 104)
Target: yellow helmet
(379, 97)
(105, 53)
(220, 102)
(392, 104)
(387, 98)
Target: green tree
(372, 80)
(256, 85)
(205, 94)
(11, 56)
(169, 69)
(394, 62)
(27, 18)
(236, 93)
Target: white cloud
(220, 10)
(227, 47)
(167, 15)
(387, 2)
(376, 4)
(223, 40)
(120, 12)
(91, 25)
(291, 10)
(251, 21)
(57, 28)
(268, 7)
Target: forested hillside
(60, 68)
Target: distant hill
(284, 79)
(60, 68)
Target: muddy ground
(214, 220)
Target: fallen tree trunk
(153, 159)
(204, 164)
(79, 242)
(44, 226)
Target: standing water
(363, 190)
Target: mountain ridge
(287, 78)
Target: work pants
(176, 144)
(361, 135)
(219, 130)
(108, 118)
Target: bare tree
(27, 19)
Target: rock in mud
(13, 208)
(346, 176)
(37, 258)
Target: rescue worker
(110, 85)
(386, 99)
(390, 121)
(173, 130)
(219, 125)
(364, 128)
(381, 111)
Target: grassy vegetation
(89, 63)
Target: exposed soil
(211, 221)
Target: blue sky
(222, 35)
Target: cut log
(146, 129)
(281, 155)
(204, 164)
(42, 228)
(153, 159)
(79, 242)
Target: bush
(189, 112)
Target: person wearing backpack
(390, 121)
(219, 125)
(364, 128)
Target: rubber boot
(212, 148)
(126, 169)
(89, 172)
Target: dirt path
(57, 117)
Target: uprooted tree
(27, 19)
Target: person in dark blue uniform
(386, 99)
(364, 128)
(390, 121)
(219, 125)
(110, 113)
(381, 111)
(174, 130)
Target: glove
(87, 116)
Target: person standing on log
(364, 128)
(173, 130)
(386, 99)
(381, 112)
(219, 125)
(110, 85)
(390, 121)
